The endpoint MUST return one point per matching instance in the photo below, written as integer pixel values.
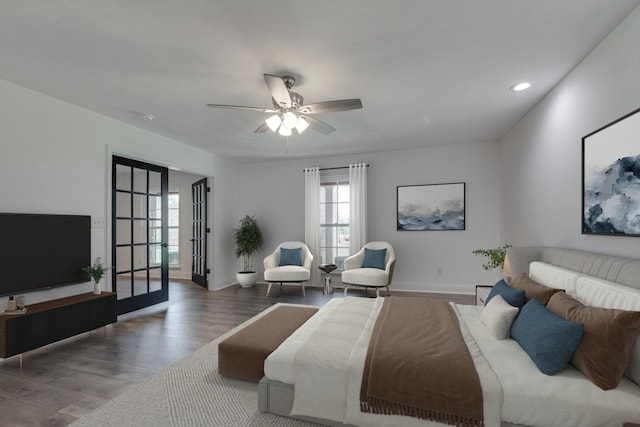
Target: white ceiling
(429, 72)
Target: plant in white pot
(248, 240)
(95, 273)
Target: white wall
(541, 157)
(426, 260)
(56, 158)
(227, 194)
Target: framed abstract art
(431, 207)
(611, 178)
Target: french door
(200, 229)
(139, 247)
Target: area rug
(190, 393)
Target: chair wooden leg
(269, 288)
(346, 288)
(388, 292)
(302, 286)
(377, 292)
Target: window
(334, 221)
(174, 230)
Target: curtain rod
(338, 167)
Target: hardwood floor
(64, 381)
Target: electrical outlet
(98, 223)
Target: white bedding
(279, 365)
(530, 397)
(325, 360)
(535, 399)
(320, 366)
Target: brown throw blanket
(418, 365)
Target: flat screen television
(39, 251)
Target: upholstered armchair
(290, 262)
(371, 267)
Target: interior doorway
(189, 235)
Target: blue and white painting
(431, 207)
(611, 168)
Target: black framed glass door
(139, 233)
(200, 229)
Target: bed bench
(242, 355)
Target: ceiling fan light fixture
(290, 120)
(301, 125)
(284, 131)
(273, 122)
(288, 106)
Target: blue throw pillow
(514, 297)
(549, 340)
(290, 256)
(374, 258)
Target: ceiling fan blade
(278, 90)
(319, 125)
(330, 106)
(239, 107)
(262, 128)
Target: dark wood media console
(47, 322)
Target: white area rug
(190, 393)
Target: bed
(317, 373)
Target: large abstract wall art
(611, 178)
(431, 207)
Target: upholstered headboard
(625, 271)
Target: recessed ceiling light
(520, 86)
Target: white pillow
(497, 316)
(554, 277)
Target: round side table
(327, 268)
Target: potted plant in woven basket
(248, 240)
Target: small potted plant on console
(96, 272)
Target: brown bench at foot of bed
(242, 355)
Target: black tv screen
(40, 251)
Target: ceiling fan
(289, 111)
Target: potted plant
(248, 240)
(96, 272)
(495, 257)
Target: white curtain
(312, 219)
(357, 206)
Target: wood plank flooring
(64, 381)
